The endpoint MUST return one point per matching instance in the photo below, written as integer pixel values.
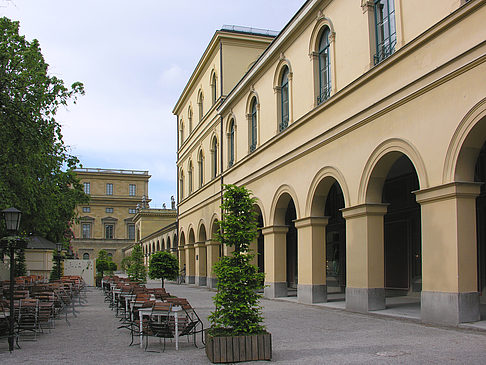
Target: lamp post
(12, 222)
(58, 258)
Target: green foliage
(137, 271)
(238, 226)
(57, 270)
(20, 269)
(126, 263)
(163, 265)
(238, 311)
(104, 263)
(37, 170)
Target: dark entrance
(260, 247)
(290, 216)
(335, 241)
(403, 251)
(480, 176)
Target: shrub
(163, 265)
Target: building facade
(106, 222)
(360, 129)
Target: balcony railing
(384, 52)
(112, 171)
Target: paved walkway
(301, 334)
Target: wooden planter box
(239, 348)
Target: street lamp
(12, 242)
(58, 258)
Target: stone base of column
(309, 294)
(201, 281)
(275, 290)
(449, 308)
(190, 279)
(212, 283)
(364, 300)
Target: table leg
(177, 330)
(141, 329)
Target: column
(212, 249)
(275, 261)
(312, 260)
(200, 251)
(365, 257)
(449, 253)
(190, 263)
(182, 258)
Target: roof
(249, 30)
(37, 242)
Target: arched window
(189, 117)
(200, 102)
(200, 162)
(85, 256)
(189, 174)
(324, 67)
(231, 144)
(181, 129)
(385, 29)
(214, 158)
(213, 88)
(181, 185)
(253, 125)
(284, 99)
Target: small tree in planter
(238, 313)
(163, 265)
(137, 271)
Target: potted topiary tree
(236, 332)
(163, 265)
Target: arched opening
(402, 230)
(335, 242)
(190, 258)
(480, 176)
(158, 245)
(260, 252)
(201, 257)
(85, 256)
(168, 246)
(291, 246)
(181, 252)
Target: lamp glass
(12, 218)
(59, 247)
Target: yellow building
(360, 129)
(106, 222)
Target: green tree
(57, 270)
(103, 263)
(20, 269)
(238, 311)
(37, 170)
(137, 271)
(125, 263)
(163, 265)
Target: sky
(134, 59)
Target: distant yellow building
(106, 222)
(360, 128)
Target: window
(231, 144)
(110, 254)
(86, 209)
(109, 210)
(284, 100)
(86, 230)
(132, 210)
(213, 88)
(189, 174)
(181, 185)
(385, 29)
(87, 188)
(109, 189)
(253, 125)
(182, 133)
(324, 67)
(189, 116)
(109, 231)
(85, 256)
(132, 189)
(200, 101)
(131, 231)
(214, 158)
(200, 162)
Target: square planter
(224, 349)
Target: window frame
(86, 209)
(324, 66)
(200, 162)
(253, 118)
(284, 99)
(109, 189)
(132, 189)
(106, 230)
(84, 256)
(385, 47)
(109, 210)
(131, 229)
(87, 188)
(214, 157)
(214, 96)
(83, 231)
(231, 143)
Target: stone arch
(379, 163)
(201, 235)
(280, 201)
(321, 22)
(191, 237)
(465, 145)
(158, 245)
(278, 71)
(259, 203)
(320, 186)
